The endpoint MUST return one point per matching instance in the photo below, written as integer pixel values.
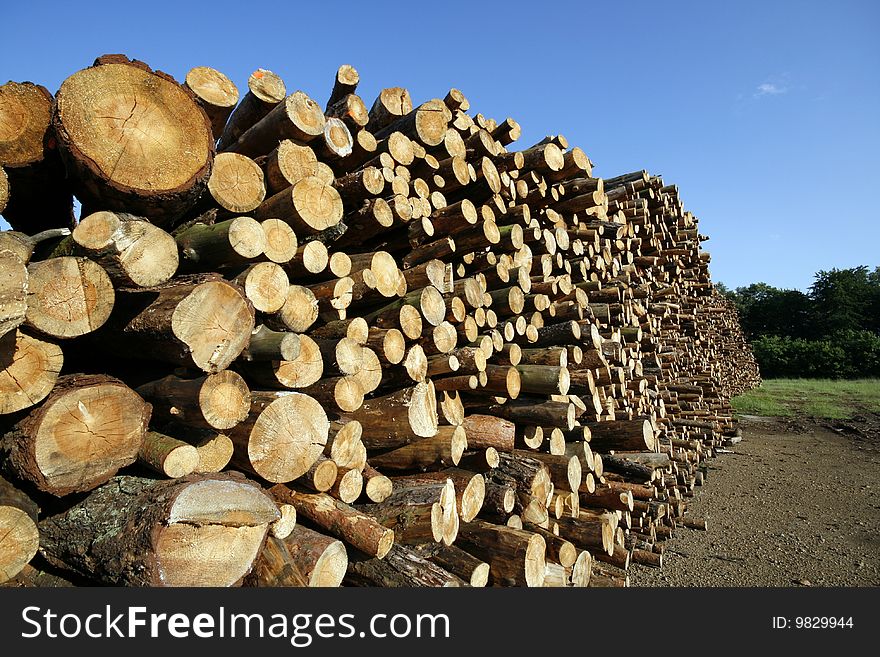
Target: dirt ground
(796, 504)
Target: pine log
(275, 567)
(200, 321)
(419, 514)
(391, 104)
(68, 297)
(515, 557)
(470, 488)
(458, 562)
(265, 91)
(346, 82)
(30, 368)
(403, 567)
(215, 93)
(377, 486)
(282, 437)
(88, 428)
(622, 435)
(320, 559)
(443, 449)
(339, 519)
(168, 456)
(297, 117)
(309, 206)
(13, 291)
(19, 537)
(215, 401)
(131, 250)
(230, 243)
(34, 192)
(197, 531)
(138, 144)
(398, 418)
(266, 286)
(236, 183)
(287, 164)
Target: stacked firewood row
(301, 344)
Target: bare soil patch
(797, 503)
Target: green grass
(819, 398)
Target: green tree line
(833, 330)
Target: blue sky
(764, 113)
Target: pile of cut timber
(302, 344)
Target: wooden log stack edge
(292, 342)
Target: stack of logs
(288, 345)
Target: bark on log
(19, 537)
(403, 567)
(515, 557)
(33, 185)
(200, 321)
(265, 91)
(88, 428)
(197, 531)
(29, 369)
(132, 139)
(339, 519)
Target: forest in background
(830, 331)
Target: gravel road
(797, 504)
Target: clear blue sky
(764, 113)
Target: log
(215, 93)
(488, 431)
(68, 297)
(470, 488)
(131, 250)
(202, 321)
(214, 401)
(443, 449)
(132, 139)
(297, 117)
(236, 183)
(88, 428)
(391, 104)
(19, 536)
(398, 418)
(30, 368)
(419, 514)
(339, 519)
(168, 456)
(309, 206)
(275, 567)
(282, 437)
(460, 563)
(515, 557)
(266, 286)
(34, 192)
(196, 531)
(287, 164)
(622, 435)
(265, 91)
(230, 243)
(403, 567)
(320, 559)
(346, 82)
(377, 486)
(13, 291)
